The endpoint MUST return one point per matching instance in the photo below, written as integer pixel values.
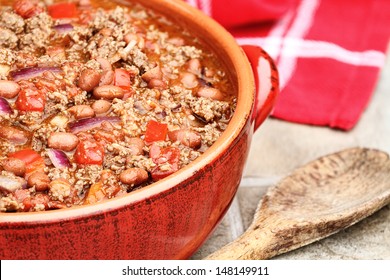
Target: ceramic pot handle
(264, 69)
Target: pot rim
(221, 38)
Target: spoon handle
(314, 202)
(254, 244)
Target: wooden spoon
(315, 201)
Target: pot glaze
(169, 219)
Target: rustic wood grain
(315, 201)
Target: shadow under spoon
(321, 198)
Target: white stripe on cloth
(193, 3)
(277, 31)
(286, 46)
(317, 49)
(205, 5)
(285, 42)
(299, 28)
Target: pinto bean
(130, 37)
(39, 180)
(82, 111)
(13, 134)
(157, 84)
(4, 69)
(134, 176)
(84, 3)
(189, 80)
(107, 126)
(107, 78)
(136, 146)
(89, 79)
(10, 184)
(187, 137)
(151, 46)
(15, 165)
(209, 73)
(101, 106)
(194, 66)
(106, 32)
(177, 41)
(56, 52)
(63, 141)
(9, 89)
(104, 64)
(108, 92)
(210, 92)
(154, 73)
(133, 37)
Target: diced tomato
(23, 196)
(27, 8)
(89, 152)
(99, 191)
(128, 93)
(72, 91)
(45, 85)
(122, 79)
(37, 165)
(85, 16)
(57, 52)
(33, 160)
(104, 136)
(31, 100)
(155, 131)
(27, 155)
(95, 194)
(167, 160)
(30, 201)
(40, 199)
(63, 10)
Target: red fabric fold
(329, 52)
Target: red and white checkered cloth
(329, 52)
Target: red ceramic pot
(173, 217)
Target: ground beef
(12, 21)
(6, 56)
(8, 39)
(208, 109)
(37, 32)
(114, 90)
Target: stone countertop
(285, 146)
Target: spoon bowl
(315, 201)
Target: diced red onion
(161, 115)
(176, 108)
(140, 108)
(63, 28)
(4, 107)
(8, 184)
(58, 158)
(32, 72)
(90, 123)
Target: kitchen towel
(328, 52)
